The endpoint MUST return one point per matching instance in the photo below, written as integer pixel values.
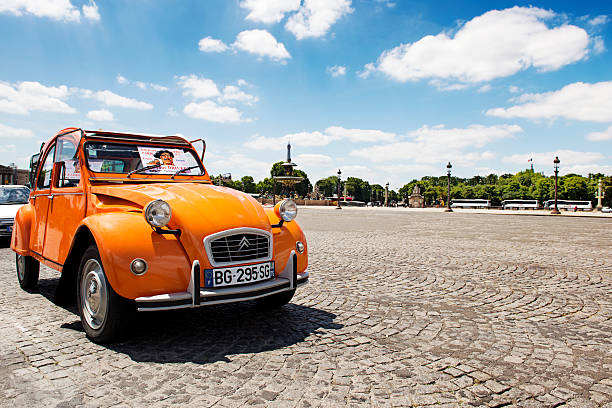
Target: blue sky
(386, 90)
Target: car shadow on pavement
(210, 333)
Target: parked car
(606, 210)
(134, 222)
(12, 197)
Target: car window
(14, 195)
(44, 178)
(67, 152)
(124, 158)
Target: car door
(67, 206)
(41, 199)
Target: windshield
(126, 158)
(14, 195)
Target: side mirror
(57, 173)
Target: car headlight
(158, 213)
(287, 210)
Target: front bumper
(289, 279)
(6, 228)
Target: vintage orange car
(133, 222)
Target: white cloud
(8, 132)
(315, 17)
(109, 98)
(101, 115)
(496, 44)
(233, 93)
(585, 169)
(24, 97)
(90, 11)
(316, 160)
(61, 10)
(359, 135)
(600, 136)
(567, 157)
(336, 70)
(368, 69)
(142, 85)
(577, 101)
(437, 143)
(598, 45)
(261, 43)
(485, 88)
(318, 139)
(210, 111)
(172, 112)
(269, 11)
(599, 20)
(514, 89)
(198, 88)
(571, 161)
(209, 44)
(239, 165)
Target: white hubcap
(94, 297)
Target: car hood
(199, 209)
(9, 210)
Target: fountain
(288, 180)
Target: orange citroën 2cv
(134, 222)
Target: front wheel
(275, 301)
(28, 269)
(100, 308)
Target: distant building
(13, 175)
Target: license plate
(238, 275)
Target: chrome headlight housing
(288, 210)
(158, 213)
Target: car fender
(285, 238)
(22, 226)
(122, 237)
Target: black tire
(275, 301)
(28, 269)
(102, 310)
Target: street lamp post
(556, 163)
(339, 182)
(599, 196)
(448, 199)
(387, 195)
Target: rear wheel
(275, 301)
(102, 311)
(28, 269)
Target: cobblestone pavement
(413, 309)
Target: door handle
(50, 196)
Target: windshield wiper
(185, 169)
(153, 166)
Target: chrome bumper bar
(289, 279)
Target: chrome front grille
(239, 248)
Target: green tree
(248, 184)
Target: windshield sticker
(170, 160)
(96, 164)
(73, 172)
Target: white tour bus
(570, 205)
(520, 204)
(470, 203)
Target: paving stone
(403, 308)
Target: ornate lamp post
(387, 195)
(556, 163)
(339, 182)
(449, 166)
(599, 196)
